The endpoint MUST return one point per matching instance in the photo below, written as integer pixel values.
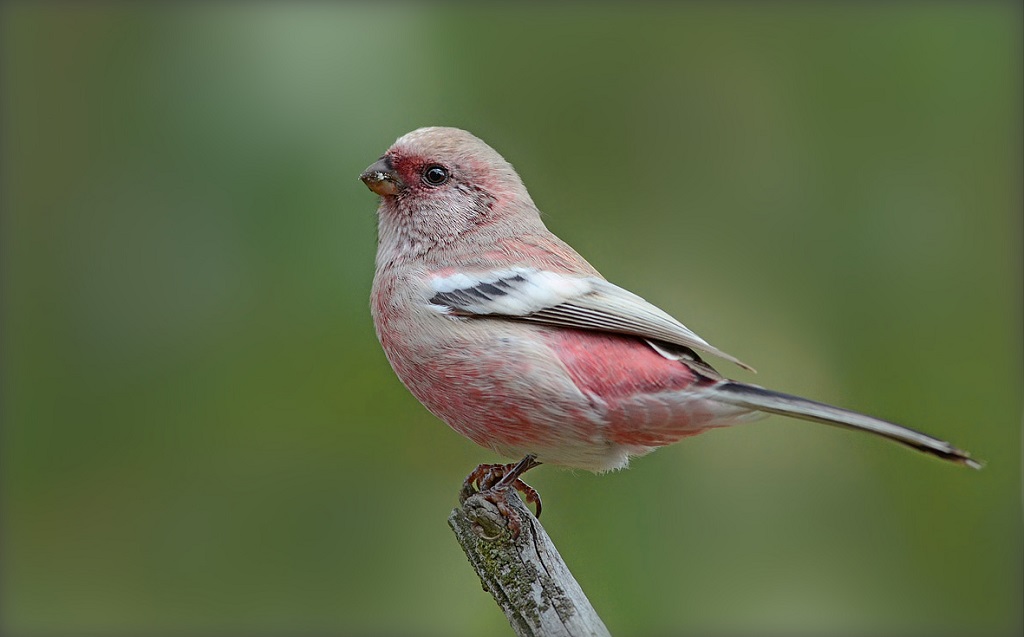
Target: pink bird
(508, 335)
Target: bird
(504, 332)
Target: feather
(562, 300)
(753, 397)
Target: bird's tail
(757, 398)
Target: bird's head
(437, 182)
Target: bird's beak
(381, 178)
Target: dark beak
(382, 179)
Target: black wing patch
(462, 299)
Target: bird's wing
(565, 301)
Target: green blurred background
(202, 436)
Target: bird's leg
(512, 479)
(492, 480)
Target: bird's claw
(492, 482)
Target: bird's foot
(492, 481)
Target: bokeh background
(202, 436)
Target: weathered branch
(526, 577)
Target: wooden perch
(527, 576)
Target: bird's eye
(435, 175)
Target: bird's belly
(507, 393)
(573, 398)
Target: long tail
(753, 397)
